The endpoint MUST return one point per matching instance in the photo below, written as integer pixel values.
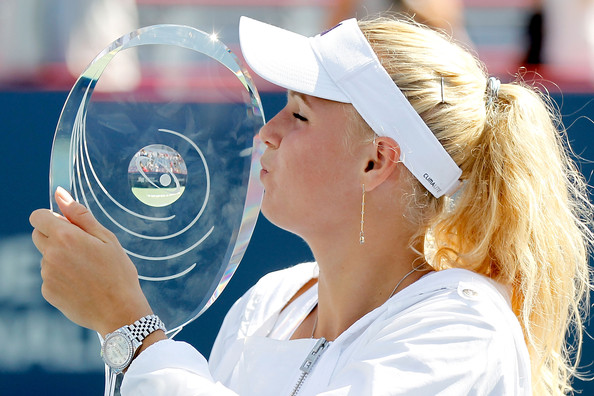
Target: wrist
(151, 339)
(121, 346)
(116, 320)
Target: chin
(270, 214)
(278, 217)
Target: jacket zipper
(309, 362)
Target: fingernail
(63, 195)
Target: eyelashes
(299, 117)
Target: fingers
(50, 223)
(86, 273)
(44, 221)
(80, 216)
(39, 240)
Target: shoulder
(269, 295)
(452, 332)
(457, 286)
(287, 279)
(457, 298)
(459, 320)
(255, 312)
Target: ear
(381, 163)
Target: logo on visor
(332, 28)
(431, 182)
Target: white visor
(340, 65)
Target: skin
(86, 274)
(313, 181)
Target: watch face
(117, 350)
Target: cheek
(301, 180)
(311, 188)
(312, 168)
(321, 179)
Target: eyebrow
(301, 96)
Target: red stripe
(243, 3)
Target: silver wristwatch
(119, 347)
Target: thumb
(80, 216)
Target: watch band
(145, 326)
(120, 347)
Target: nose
(271, 134)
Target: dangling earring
(362, 234)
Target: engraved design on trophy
(169, 163)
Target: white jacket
(450, 333)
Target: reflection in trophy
(157, 175)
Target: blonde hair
(523, 217)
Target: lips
(264, 170)
(264, 166)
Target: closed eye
(299, 117)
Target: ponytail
(522, 217)
(524, 220)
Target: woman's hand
(86, 273)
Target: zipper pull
(314, 355)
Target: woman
(449, 226)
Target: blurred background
(46, 44)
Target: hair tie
(493, 85)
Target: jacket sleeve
(171, 368)
(175, 368)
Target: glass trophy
(159, 140)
